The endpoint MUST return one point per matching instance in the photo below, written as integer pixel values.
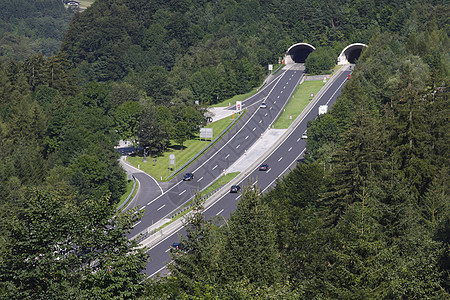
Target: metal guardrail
(210, 197)
(129, 196)
(176, 212)
(206, 148)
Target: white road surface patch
(228, 155)
(163, 205)
(289, 150)
(199, 179)
(280, 158)
(214, 167)
(182, 193)
(219, 212)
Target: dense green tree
(320, 60)
(194, 264)
(56, 247)
(126, 118)
(251, 251)
(181, 132)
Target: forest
(366, 216)
(28, 27)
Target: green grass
(298, 102)
(233, 100)
(220, 182)
(160, 168)
(336, 68)
(124, 197)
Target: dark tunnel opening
(353, 55)
(300, 53)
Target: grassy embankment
(130, 184)
(160, 168)
(220, 182)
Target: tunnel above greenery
(350, 53)
(298, 53)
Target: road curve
(281, 160)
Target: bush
(321, 60)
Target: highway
(221, 156)
(280, 161)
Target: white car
(263, 105)
(304, 135)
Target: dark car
(188, 176)
(176, 247)
(235, 189)
(263, 167)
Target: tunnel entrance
(353, 55)
(350, 53)
(298, 53)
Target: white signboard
(270, 67)
(238, 106)
(172, 159)
(206, 133)
(323, 109)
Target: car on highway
(304, 135)
(177, 246)
(235, 189)
(188, 176)
(263, 167)
(263, 105)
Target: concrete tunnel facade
(350, 53)
(298, 53)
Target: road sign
(172, 159)
(206, 133)
(238, 106)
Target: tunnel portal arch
(350, 53)
(298, 53)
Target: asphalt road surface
(280, 161)
(222, 155)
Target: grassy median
(298, 102)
